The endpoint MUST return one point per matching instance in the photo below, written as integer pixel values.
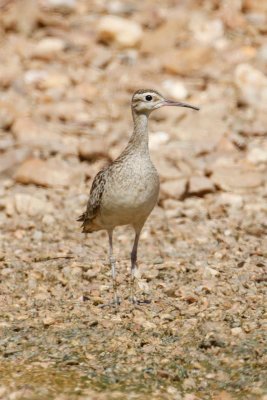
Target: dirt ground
(68, 69)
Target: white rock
(51, 173)
(231, 199)
(252, 85)
(175, 89)
(210, 273)
(34, 76)
(237, 331)
(158, 138)
(263, 52)
(48, 219)
(123, 32)
(257, 155)
(30, 205)
(207, 31)
(49, 47)
(61, 5)
(37, 236)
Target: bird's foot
(114, 303)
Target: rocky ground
(68, 69)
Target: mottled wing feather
(94, 201)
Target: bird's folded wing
(94, 201)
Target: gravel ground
(67, 72)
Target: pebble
(252, 85)
(206, 31)
(123, 32)
(48, 219)
(200, 185)
(50, 173)
(175, 89)
(64, 6)
(156, 139)
(28, 132)
(48, 48)
(229, 178)
(257, 155)
(93, 149)
(6, 115)
(174, 189)
(33, 76)
(187, 60)
(30, 205)
(210, 273)
(230, 199)
(237, 331)
(37, 236)
(47, 321)
(12, 157)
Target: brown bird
(125, 192)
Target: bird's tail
(88, 225)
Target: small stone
(229, 178)
(93, 150)
(30, 205)
(123, 32)
(37, 236)
(156, 139)
(257, 155)
(167, 170)
(230, 199)
(189, 384)
(48, 219)
(263, 52)
(237, 331)
(170, 204)
(49, 47)
(47, 321)
(28, 132)
(175, 89)
(187, 60)
(6, 115)
(206, 31)
(26, 16)
(223, 396)
(54, 81)
(64, 6)
(50, 173)
(190, 396)
(252, 86)
(12, 157)
(200, 185)
(210, 273)
(174, 189)
(33, 76)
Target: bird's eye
(148, 97)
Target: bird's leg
(112, 263)
(134, 266)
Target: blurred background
(68, 69)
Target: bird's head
(144, 101)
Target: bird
(126, 191)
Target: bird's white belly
(130, 202)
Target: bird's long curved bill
(177, 104)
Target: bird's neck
(139, 138)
